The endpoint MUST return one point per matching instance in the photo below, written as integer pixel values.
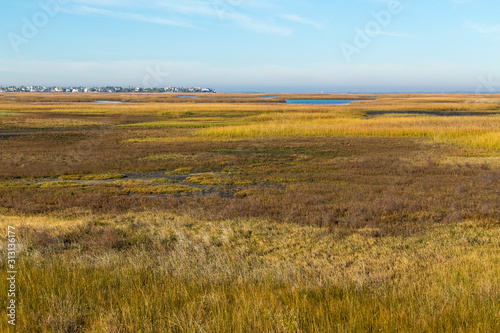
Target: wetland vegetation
(232, 213)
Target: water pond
(109, 102)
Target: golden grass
(478, 132)
(156, 272)
(149, 104)
(41, 221)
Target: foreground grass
(155, 272)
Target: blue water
(109, 102)
(321, 101)
(268, 96)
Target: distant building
(108, 89)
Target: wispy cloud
(300, 19)
(203, 8)
(99, 2)
(483, 28)
(259, 26)
(85, 10)
(189, 11)
(232, 11)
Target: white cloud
(99, 2)
(258, 26)
(189, 7)
(130, 16)
(189, 10)
(232, 11)
(483, 28)
(300, 19)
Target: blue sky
(254, 45)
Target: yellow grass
(253, 276)
(148, 103)
(479, 132)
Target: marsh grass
(7, 113)
(186, 123)
(478, 132)
(18, 121)
(163, 180)
(47, 184)
(104, 176)
(285, 218)
(217, 179)
(157, 272)
(164, 189)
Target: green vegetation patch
(211, 179)
(242, 182)
(130, 182)
(206, 179)
(103, 176)
(60, 184)
(26, 185)
(165, 189)
(7, 113)
(164, 180)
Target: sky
(254, 45)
